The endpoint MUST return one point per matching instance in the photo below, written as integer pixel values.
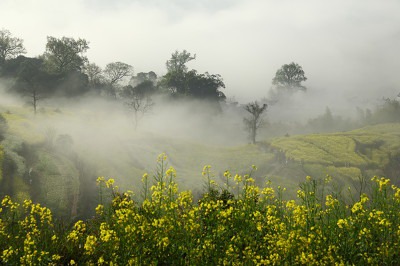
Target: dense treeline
(64, 70)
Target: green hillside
(345, 156)
(58, 167)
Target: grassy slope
(345, 156)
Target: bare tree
(137, 101)
(35, 98)
(10, 47)
(255, 120)
(140, 106)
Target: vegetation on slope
(236, 223)
(345, 156)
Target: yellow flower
(342, 223)
(100, 179)
(99, 209)
(110, 182)
(227, 174)
(238, 178)
(170, 172)
(383, 183)
(90, 244)
(162, 157)
(145, 177)
(330, 201)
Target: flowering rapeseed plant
(238, 223)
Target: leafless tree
(255, 120)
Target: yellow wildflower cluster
(241, 224)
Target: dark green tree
(289, 77)
(175, 79)
(65, 54)
(10, 47)
(182, 82)
(255, 120)
(205, 86)
(143, 77)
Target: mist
(347, 48)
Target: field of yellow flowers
(234, 223)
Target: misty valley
(108, 166)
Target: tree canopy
(116, 71)
(178, 61)
(289, 77)
(10, 47)
(65, 54)
(180, 81)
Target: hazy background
(349, 50)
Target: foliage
(65, 54)
(94, 74)
(181, 82)
(289, 77)
(237, 223)
(178, 61)
(116, 71)
(388, 112)
(143, 77)
(3, 127)
(205, 86)
(10, 47)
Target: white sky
(347, 48)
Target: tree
(65, 54)
(204, 86)
(114, 73)
(94, 74)
(32, 80)
(289, 77)
(138, 101)
(143, 77)
(10, 47)
(180, 81)
(255, 120)
(175, 79)
(178, 61)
